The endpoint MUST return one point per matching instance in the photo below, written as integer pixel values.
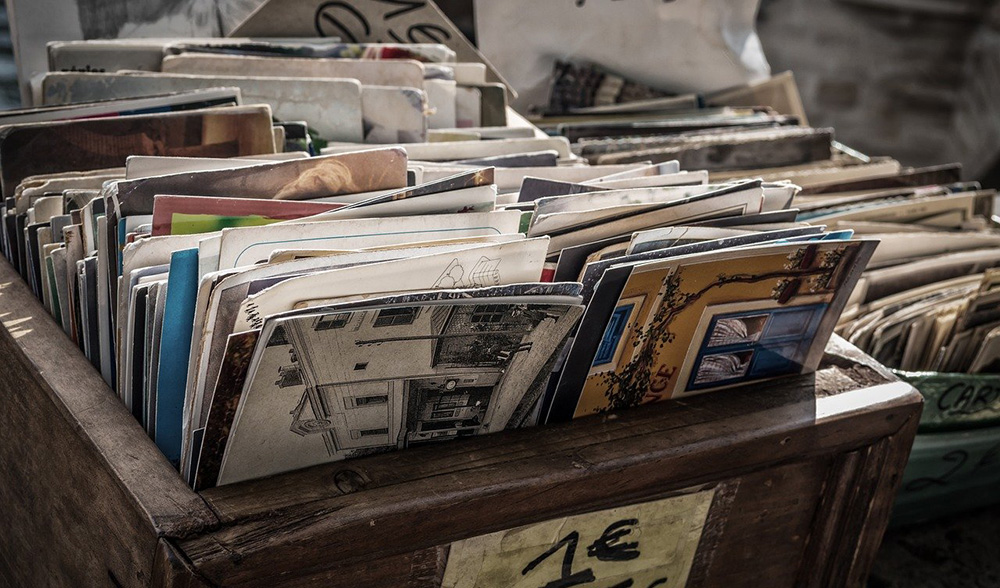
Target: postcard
(394, 114)
(204, 461)
(653, 239)
(25, 197)
(407, 375)
(468, 107)
(181, 215)
(34, 148)
(472, 267)
(227, 290)
(150, 356)
(946, 211)
(893, 177)
(592, 203)
(389, 72)
(138, 167)
(593, 270)
(712, 205)
(175, 342)
(457, 150)
(467, 179)
(245, 247)
(124, 332)
(684, 178)
(461, 201)
(717, 152)
(442, 100)
(771, 317)
(332, 106)
(172, 102)
(223, 401)
(298, 179)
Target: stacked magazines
(261, 311)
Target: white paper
(243, 247)
(679, 46)
(475, 267)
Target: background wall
(915, 79)
(9, 94)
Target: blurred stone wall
(894, 77)
(977, 119)
(10, 97)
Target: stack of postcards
(282, 254)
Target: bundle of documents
(929, 299)
(260, 311)
(357, 93)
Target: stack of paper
(371, 93)
(260, 311)
(928, 300)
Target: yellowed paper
(646, 545)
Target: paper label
(374, 21)
(646, 545)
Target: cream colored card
(651, 544)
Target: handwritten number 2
(567, 577)
(957, 457)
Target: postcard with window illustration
(701, 322)
(368, 381)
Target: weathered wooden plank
(772, 508)
(795, 399)
(172, 570)
(880, 485)
(526, 476)
(85, 492)
(420, 569)
(856, 502)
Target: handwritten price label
(370, 21)
(648, 545)
(337, 18)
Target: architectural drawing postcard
(374, 380)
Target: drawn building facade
(396, 377)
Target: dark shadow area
(956, 552)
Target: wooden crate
(800, 472)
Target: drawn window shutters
(288, 376)
(333, 321)
(613, 334)
(483, 335)
(394, 317)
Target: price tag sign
(362, 21)
(648, 545)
